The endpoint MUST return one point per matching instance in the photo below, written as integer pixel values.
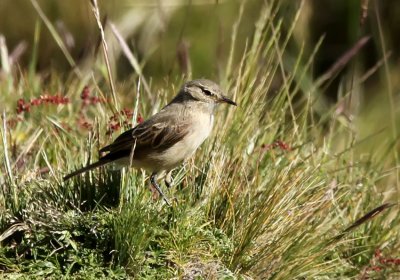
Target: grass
(279, 191)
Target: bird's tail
(101, 162)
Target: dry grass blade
(390, 94)
(18, 51)
(13, 229)
(30, 144)
(3, 131)
(131, 58)
(136, 109)
(370, 215)
(4, 59)
(56, 37)
(375, 68)
(235, 28)
(183, 57)
(5, 147)
(364, 11)
(96, 13)
(342, 61)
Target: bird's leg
(153, 180)
(168, 179)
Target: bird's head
(205, 91)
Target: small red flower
(384, 262)
(282, 145)
(128, 113)
(36, 102)
(85, 93)
(115, 121)
(22, 106)
(139, 119)
(277, 144)
(84, 123)
(87, 99)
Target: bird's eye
(207, 92)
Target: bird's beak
(227, 100)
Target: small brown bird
(169, 137)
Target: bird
(169, 137)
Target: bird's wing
(156, 134)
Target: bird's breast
(200, 129)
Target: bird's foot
(159, 192)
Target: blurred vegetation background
(159, 31)
(176, 37)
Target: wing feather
(153, 135)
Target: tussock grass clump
(269, 196)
